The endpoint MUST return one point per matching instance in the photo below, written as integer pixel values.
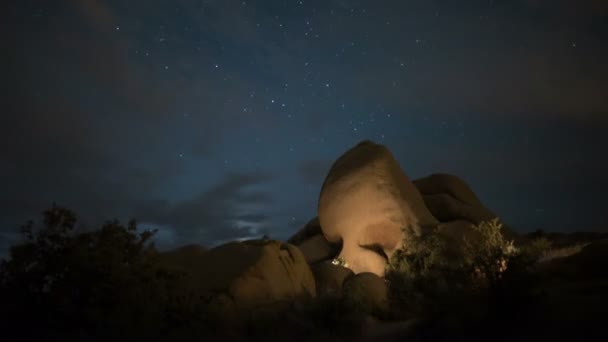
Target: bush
(432, 278)
(102, 283)
(487, 257)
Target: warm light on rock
(369, 204)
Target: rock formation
(367, 292)
(451, 200)
(313, 244)
(369, 204)
(368, 208)
(242, 276)
(330, 278)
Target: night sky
(215, 120)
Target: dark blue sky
(217, 120)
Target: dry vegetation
(109, 284)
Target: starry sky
(215, 120)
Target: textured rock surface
(317, 249)
(442, 183)
(246, 275)
(368, 201)
(330, 278)
(313, 244)
(367, 292)
(312, 228)
(450, 199)
(447, 208)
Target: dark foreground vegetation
(112, 284)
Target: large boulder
(445, 207)
(450, 199)
(245, 276)
(442, 183)
(369, 204)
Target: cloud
(234, 208)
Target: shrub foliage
(103, 283)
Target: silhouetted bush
(96, 284)
(451, 286)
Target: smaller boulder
(330, 278)
(313, 244)
(446, 207)
(450, 198)
(317, 249)
(312, 228)
(366, 292)
(441, 183)
(242, 279)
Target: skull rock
(370, 205)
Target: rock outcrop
(313, 244)
(367, 292)
(449, 198)
(452, 201)
(241, 277)
(330, 278)
(369, 204)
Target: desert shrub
(432, 280)
(420, 277)
(98, 283)
(487, 257)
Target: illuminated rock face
(369, 204)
